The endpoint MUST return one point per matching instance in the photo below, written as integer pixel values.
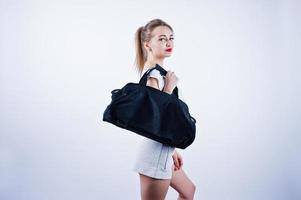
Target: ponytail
(140, 55)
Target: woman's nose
(168, 43)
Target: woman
(157, 164)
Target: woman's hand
(177, 160)
(171, 81)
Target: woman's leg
(182, 184)
(153, 189)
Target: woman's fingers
(180, 162)
(176, 162)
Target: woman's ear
(146, 46)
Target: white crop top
(156, 74)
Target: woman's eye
(165, 39)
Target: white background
(239, 73)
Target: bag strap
(162, 71)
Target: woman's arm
(152, 82)
(177, 158)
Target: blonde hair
(143, 34)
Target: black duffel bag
(152, 113)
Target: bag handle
(162, 71)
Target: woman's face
(161, 44)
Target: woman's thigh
(182, 184)
(152, 188)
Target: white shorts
(154, 159)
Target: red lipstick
(169, 49)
